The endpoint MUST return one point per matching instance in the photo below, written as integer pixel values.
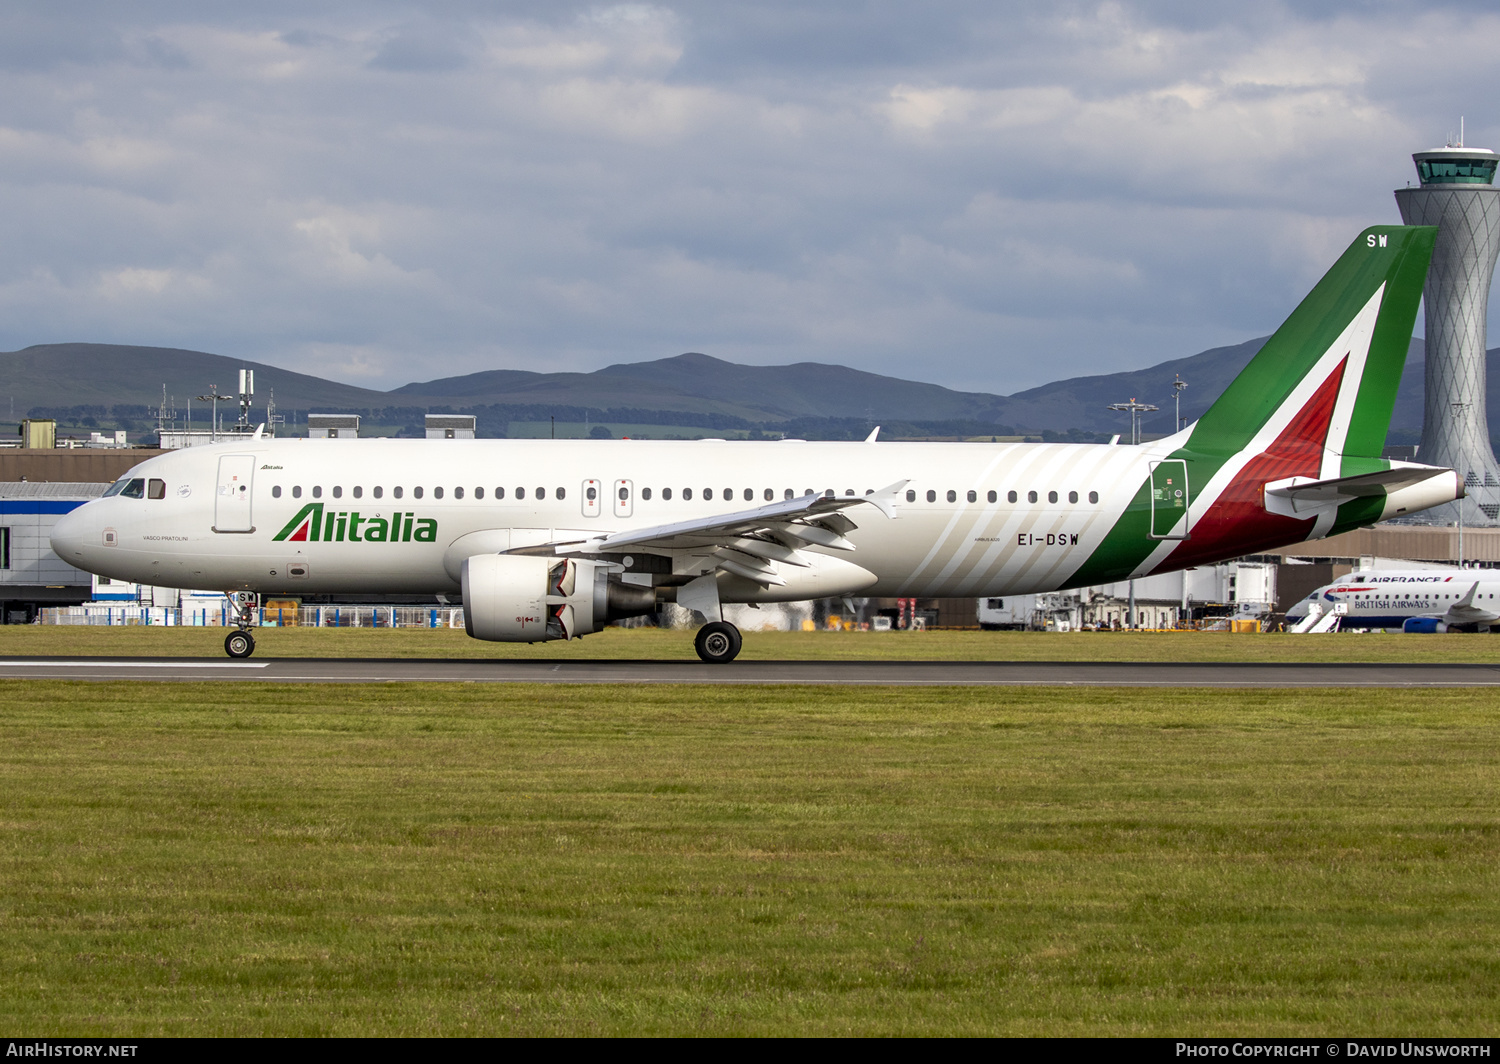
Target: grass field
(278, 859)
(652, 643)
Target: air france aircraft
(1416, 600)
(554, 539)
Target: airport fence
(220, 616)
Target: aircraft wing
(1465, 612)
(746, 543)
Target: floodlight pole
(215, 398)
(1136, 410)
(1458, 409)
(1177, 385)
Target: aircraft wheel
(718, 642)
(239, 644)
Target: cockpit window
(115, 488)
(135, 489)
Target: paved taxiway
(923, 673)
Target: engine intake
(518, 599)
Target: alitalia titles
(313, 524)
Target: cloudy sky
(984, 195)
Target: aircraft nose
(69, 536)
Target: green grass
(651, 643)
(481, 859)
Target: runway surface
(906, 673)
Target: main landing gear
(718, 642)
(240, 643)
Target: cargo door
(232, 500)
(1169, 499)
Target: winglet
(259, 431)
(871, 437)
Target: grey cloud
(985, 198)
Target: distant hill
(106, 375)
(701, 383)
(808, 398)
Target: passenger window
(666, 493)
(296, 491)
(317, 491)
(952, 495)
(458, 493)
(591, 493)
(156, 489)
(562, 493)
(789, 493)
(624, 493)
(499, 493)
(728, 494)
(911, 496)
(1072, 496)
(687, 494)
(478, 493)
(437, 493)
(769, 495)
(1010, 496)
(749, 494)
(973, 496)
(1031, 496)
(416, 493)
(645, 494)
(276, 492)
(828, 493)
(135, 489)
(931, 495)
(359, 492)
(848, 491)
(1093, 496)
(541, 493)
(396, 491)
(1051, 496)
(992, 496)
(378, 491)
(338, 491)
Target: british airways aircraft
(555, 539)
(1415, 600)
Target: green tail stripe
(1393, 255)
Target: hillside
(118, 383)
(49, 375)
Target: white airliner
(1415, 600)
(554, 539)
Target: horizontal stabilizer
(1303, 496)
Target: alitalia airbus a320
(555, 539)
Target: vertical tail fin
(1336, 363)
(1315, 403)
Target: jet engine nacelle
(518, 599)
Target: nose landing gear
(240, 643)
(718, 642)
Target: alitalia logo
(313, 525)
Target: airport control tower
(1458, 196)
